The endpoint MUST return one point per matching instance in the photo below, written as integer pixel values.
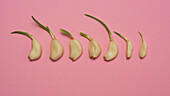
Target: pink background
(85, 77)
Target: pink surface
(85, 77)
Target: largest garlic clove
(56, 50)
(36, 50)
(129, 49)
(94, 49)
(111, 52)
(75, 49)
(143, 48)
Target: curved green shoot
(110, 35)
(121, 36)
(67, 33)
(45, 28)
(51, 34)
(86, 36)
(24, 33)
(141, 36)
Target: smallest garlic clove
(36, 50)
(94, 47)
(143, 48)
(129, 49)
(56, 50)
(111, 52)
(129, 46)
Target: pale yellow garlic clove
(143, 48)
(75, 49)
(129, 49)
(74, 46)
(36, 50)
(56, 50)
(94, 49)
(111, 52)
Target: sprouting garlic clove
(111, 52)
(56, 49)
(36, 50)
(129, 49)
(94, 49)
(75, 49)
(143, 48)
(74, 46)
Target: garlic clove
(56, 50)
(94, 49)
(143, 48)
(36, 50)
(129, 49)
(75, 49)
(74, 46)
(111, 52)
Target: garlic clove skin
(143, 50)
(56, 50)
(111, 52)
(36, 50)
(94, 49)
(129, 49)
(75, 49)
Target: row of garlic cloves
(56, 48)
(76, 48)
